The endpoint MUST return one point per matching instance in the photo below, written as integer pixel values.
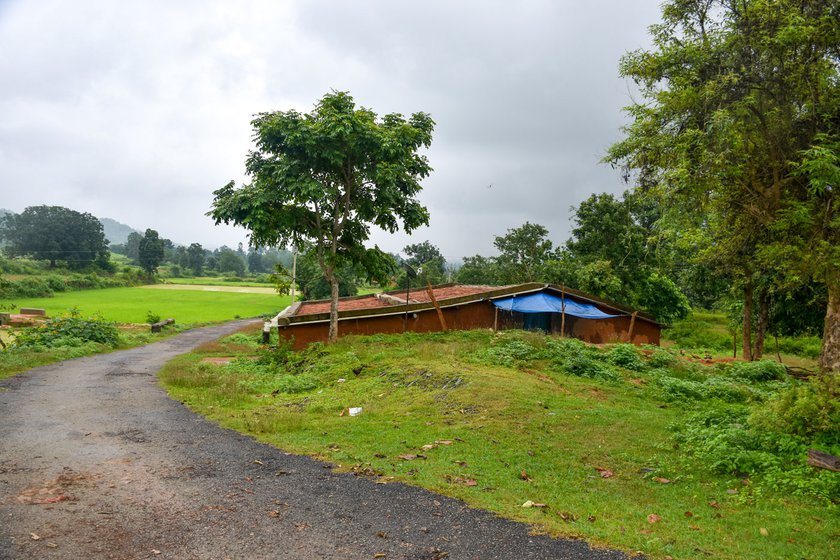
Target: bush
(660, 357)
(626, 356)
(68, 331)
(728, 441)
(762, 370)
(152, 317)
(575, 357)
(809, 410)
(508, 352)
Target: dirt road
(97, 462)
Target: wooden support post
(496, 320)
(563, 313)
(431, 293)
(632, 324)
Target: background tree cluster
(58, 235)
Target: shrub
(508, 352)
(152, 317)
(575, 357)
(762, 370)
(726, 440)
(809, 409)
(626, 356)
(68, 331)
(660, 358)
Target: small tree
(195, 257)
(324, 178)
(150, 251)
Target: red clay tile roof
(418, 295)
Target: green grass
(130, 305)
(525, 432)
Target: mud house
(546, 307)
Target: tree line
(76, 240)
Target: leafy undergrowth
(640, 450)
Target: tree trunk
(333, 305)
(748, 303)
(761, 327)
(830, 355)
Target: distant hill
(116, 232)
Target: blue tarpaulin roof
(542, 302)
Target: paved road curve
(97, 462)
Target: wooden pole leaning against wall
(441, 318)
(632, 324)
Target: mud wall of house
(476, 315)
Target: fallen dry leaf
(52, 545)
(461, 463)
(732, 491)
(428, 447)
(591, 519)
(257, 462)
(694, 527)
(688, 514)
(443, 441)
(764, 532)
(524, 476)
(653, 518)
(34, 537)
(379, 555)
(605, 473)
(714, 504)
(155, 551)
(661, 480)
(408, 457)
(570, 517)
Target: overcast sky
(138, 110)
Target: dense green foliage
(150, 251)
(736, 138)
(56, 234)
(323, 179)
(72, 330)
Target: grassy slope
(130, 305)
(558, 429)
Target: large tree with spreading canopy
(321, 180)
(736, 136)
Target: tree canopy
(735, 134)
(323, 179)
(150, 251)
(56, 234)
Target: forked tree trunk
(830, 355)
(763, 319)
(748, 303)
(331, 278)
